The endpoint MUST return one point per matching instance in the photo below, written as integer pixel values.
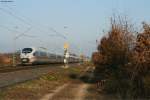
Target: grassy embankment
(35, 89)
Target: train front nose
(25, 60)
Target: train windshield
(27, 50)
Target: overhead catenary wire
(18, 18)
(30, 24)
(8, 29)
(57, 33)
(38, 25)
(26, 35)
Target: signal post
(66, 55)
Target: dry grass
(6, 59)
(35, 89)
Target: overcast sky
(51, 23)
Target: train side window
(43, 54)
(52, 56)
(36, 53)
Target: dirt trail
(74, 91)
(50, 95)
(82, 93)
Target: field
(35, 89)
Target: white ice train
(41, 56)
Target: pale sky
(47, 22)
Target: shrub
(114, 57)
(124, 60)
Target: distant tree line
(123, 60)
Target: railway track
(10, 75)
(13, 75)
(5, 69)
